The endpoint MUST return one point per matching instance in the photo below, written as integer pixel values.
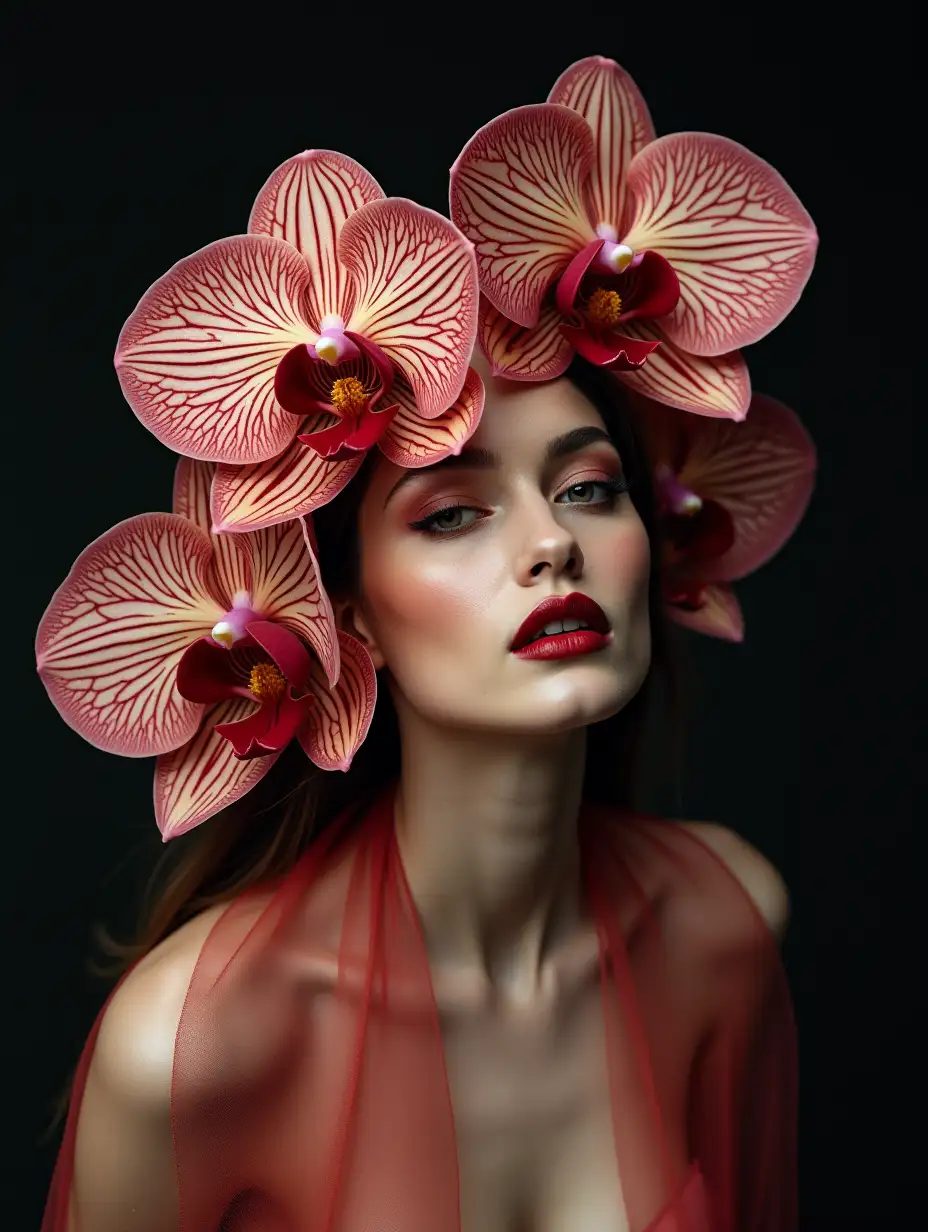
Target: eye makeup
(614, 487)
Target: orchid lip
(559, 608)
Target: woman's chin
(579, 697)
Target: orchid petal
(338, 720)
(761, 471)
(610, 102)
(285, 487)
(621, 354)
(650, 289)
(718, 387)
(197, 358)
(412, 441)
(381, 365)
(718, 616)
(540, 353)
(342, 440)
(569, 282)
(231, 561)
(737, 235)
(305, 202)
(110, 641)
(517, 192)
(287, 589)
(416, 282)
(269, 729)
(204, 776)
(192, 481)
(208, 673)
(287, 651)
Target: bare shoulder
(134, 1053)
(124, 1173)
(758, 876)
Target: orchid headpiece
(274, 361)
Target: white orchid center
(616, 257)
(333, 345)
(233, 627)
(613, 256)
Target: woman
(485, 995)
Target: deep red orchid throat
(345, 321)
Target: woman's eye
(598, 492)
(451, 518)
(584, 493)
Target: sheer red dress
(307, 1100)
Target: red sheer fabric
(310, 1089)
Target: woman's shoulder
(134, 1051)
(692, 862)
(758, 876)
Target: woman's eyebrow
(475, 458)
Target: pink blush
(631, 553)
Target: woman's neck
(487, 831)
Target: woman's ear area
(351, 619)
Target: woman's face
(455, 556)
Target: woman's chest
(532, 1098)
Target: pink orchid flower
(342, 320)
(167, 641)
(730, 495)
(658, 257)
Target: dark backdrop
(128, 162)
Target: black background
(131, 153)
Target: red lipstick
(527, 644)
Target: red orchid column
(209, 652)
(342, 320)
(658, 257)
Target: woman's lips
(564, 645)
(574, 607)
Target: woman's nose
(548, 547)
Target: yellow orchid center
(267, 682)
(348, 396)
(604, 308)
